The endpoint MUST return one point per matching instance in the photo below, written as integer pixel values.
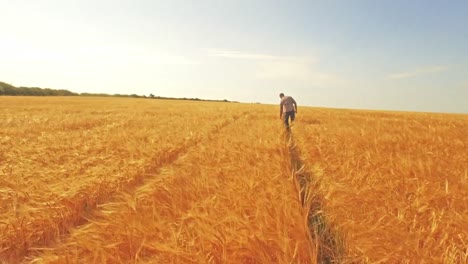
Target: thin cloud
(235, 54)
(417, 72)
(171, 59)
(269, 67)
(296, 72)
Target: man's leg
(293, 116)
(286, 119)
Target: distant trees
(8, 89)
(96, 94)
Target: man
(288, 107)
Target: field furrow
(327, 241)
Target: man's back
(288, 104)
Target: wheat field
(123, 180)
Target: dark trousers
(287, 115)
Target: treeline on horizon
(10, 90)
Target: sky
(364, 54)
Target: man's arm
(295, 105)
(281, 109)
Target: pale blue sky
(393, 54)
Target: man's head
(281, 95)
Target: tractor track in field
(330, 247)
(78, 210)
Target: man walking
(288, 107)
